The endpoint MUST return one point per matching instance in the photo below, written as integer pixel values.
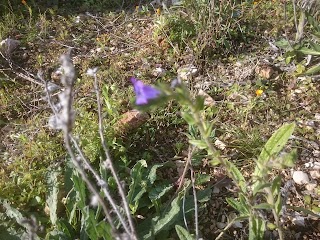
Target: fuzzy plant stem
(102, 184)
(196, 222)
(275, 215)
(109, 161)
(67, 122)
(67, 130)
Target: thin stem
(90, 186)
(196, 223)
(102, 184)
(109, 161)
(275, 215)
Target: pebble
(221, 225)
(311, 186)
(300, 177)
(315, 174)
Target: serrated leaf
(183, 234)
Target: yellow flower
(259, 92)
(158, 11)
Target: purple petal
(144, 92)
(150, 92)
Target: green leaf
(315, 46)
(202, 178)
(104, 230)
(275, 187)
(152, 176)
(53, 190)
(188, 118)
(137, 188)
(66, 228)
(283, 43)
(273, 146)
(199, 103)
(198, 143)
(80, 188)
(278, 204)
(183, 234)
(313, 70)
(289, 159)
(14, 214)
(237, 175)
(266, 206)
(209, 131)
(159, 190)
(258, 187)
(90, 223)
(242, 209)
(304, 210)
(308, 51)
(313, 22)
(204, 195)
(161, 223)
(257, 228)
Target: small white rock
(315, 174)
(186, 71)
(237, 224)
(309, 164)
(316, 165)
(316, 153)
(8, 45)
(298, 220)
(220, 145)
(216, 190)
(221, 225)
(311, 186)
(300, 177)
(158, 72)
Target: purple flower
(144, 92)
